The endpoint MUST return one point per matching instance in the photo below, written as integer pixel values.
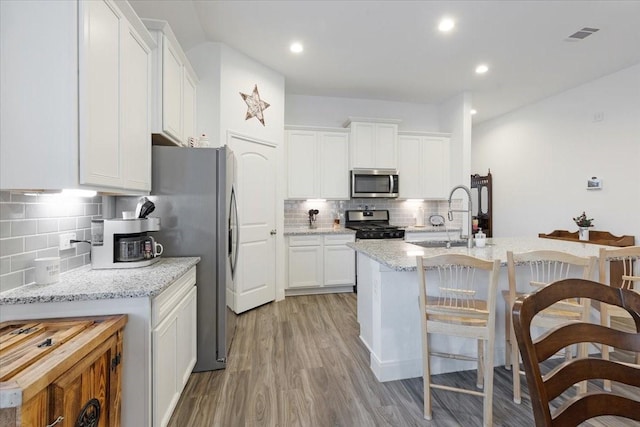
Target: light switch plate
(65, 241)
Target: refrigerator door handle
(234, 233)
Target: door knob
(273, 232)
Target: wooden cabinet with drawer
(61, 372)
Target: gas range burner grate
(372, 225)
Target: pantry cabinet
(77, 110)
(320, 263)
(423, 159)
(317, 163)
(373, 143)
(174, 85)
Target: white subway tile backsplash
(23, 228)
(33, 243)
(75, 262)
(5, 229)
(66, 224)
(12, 211)
(11, 280)
(83, 222)
(11, 246)
(30, 226)
(401, 213)
(47, 225)
(5, 265)
(22, 261)
(91, 209)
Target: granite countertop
(85, 284)
(300, 231)
(401, 256)
(428, 229)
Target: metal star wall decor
(255, 105)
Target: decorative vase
(583, 233)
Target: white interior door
(255, 275)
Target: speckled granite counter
(300, 231)
(388, 314)
(400, 256)
(429, 229)
(85, 284)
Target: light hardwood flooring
(299, 362)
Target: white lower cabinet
(320, 263)
(173, 342)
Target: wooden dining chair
(624, 259)
(458, 298)
(546, 388)
(537, 270)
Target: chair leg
(515, 368)
(583, 353)
(507, 337)
(605, 320)
(426, 378)
(488, 384)
(481, 365)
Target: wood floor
(299, 362)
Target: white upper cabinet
(373, 143)
(174, 85)
(423, 165)
(76, 111)
(317, 163)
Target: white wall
(205, 59)
(542, 155)
(306, 110)
(455, 118)
(239, 73)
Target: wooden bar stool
(460, 301)
(541, 268)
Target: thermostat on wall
(594, 183)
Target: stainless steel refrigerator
(194, 194)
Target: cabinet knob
(273, 232)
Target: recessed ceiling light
(296, 47)
(473, 112)
(446, 25)
(482, 68)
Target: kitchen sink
(439, 243)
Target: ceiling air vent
(582, 34)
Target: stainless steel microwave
(373, 183)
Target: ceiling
(392, 50)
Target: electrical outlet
(65, 241)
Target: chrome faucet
(468, 211)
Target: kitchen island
(388, 302)
(147, 295)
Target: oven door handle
(390, 184)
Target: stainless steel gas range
(372, 224)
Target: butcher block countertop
(401, 256)
(84, 284)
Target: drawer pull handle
(46, 343)
(57, 421)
